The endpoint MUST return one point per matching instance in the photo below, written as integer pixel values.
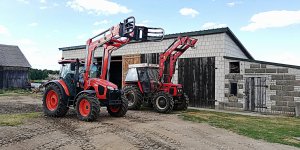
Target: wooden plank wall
(127, 60)
(197, 75)
(14, 78)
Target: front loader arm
(169, 57)
(113, 39)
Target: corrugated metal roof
(193, 33)
(11, 55)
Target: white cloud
(43, 7)
(212, 25)
(231, 4)
(23, 1)
(188, 12)
(4, 31)
(98, 7)
(33, 24)
(272, 19)
(101, 22)
(43, 1)
(94, 32)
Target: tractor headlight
(179, 90)
(110, 88)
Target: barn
(14, 67)
(218, 73)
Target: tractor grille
(114, 97)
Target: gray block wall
(283, 84)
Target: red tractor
(149, 84)
(79, 85)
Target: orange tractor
(79, 86)
(151, 84)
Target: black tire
(163, 102)
(87, 107)
(119, 110)
(183, 103)
(134, 96)
(54, 104)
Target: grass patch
(14, 92)
(16, 119)
(281, 130)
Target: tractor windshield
(153, 74)
(65, 69)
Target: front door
(255, 91)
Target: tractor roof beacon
(151, 85)
(79, 85)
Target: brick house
(218, 73)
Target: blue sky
(269, 29)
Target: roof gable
(12, 56)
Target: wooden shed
(14, 67)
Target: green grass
(16, 119)
(14, 92)
(272, 129)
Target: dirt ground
(137, 130)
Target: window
(234, 67)
(233, 89)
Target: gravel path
(137, 130)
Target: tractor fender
(89, 92)
(64, 94)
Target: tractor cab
(70, 73)
(145, 75)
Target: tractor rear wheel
(163, 102)
(54, 104)
(134, 96)
(87, 107)
(184, 103)
(118, 110)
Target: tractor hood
(105, 83)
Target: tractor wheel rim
(114, 108)
(52, 100)
(84, 107)
(131, 97)
(161, 102)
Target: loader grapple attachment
(148, 34)
(128, 26)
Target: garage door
(197, 75)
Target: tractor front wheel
(183, 103)
(163, 102)
(54, 104)
(87, 107)
(134, 96)
(118, 110)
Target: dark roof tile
(11, 55)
